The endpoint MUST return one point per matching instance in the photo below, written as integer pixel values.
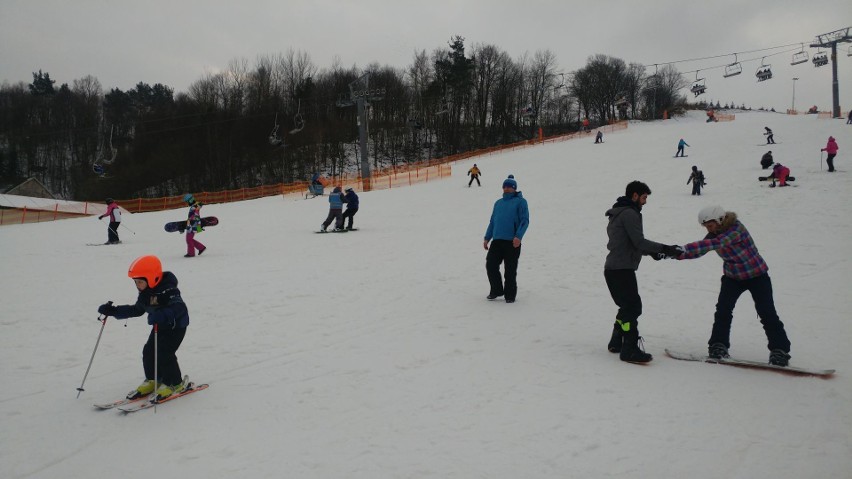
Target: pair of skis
(144, 402)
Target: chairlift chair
(849, 52)
(820, 59)
(298, 120)
(764, 71)
(800, 57)
(733, 69)
(274, 139)
(698, 87)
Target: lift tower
(360, 95)
(831, 40)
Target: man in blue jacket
(509, 221)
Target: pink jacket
(831, 146)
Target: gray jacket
(627, 242)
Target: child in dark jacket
(351, 200)
(697, 180)
(160, 298)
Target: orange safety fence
(385, 178)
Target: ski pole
(820, 160)
(113, 231)
(103, 321)
(156, 360)
(128, 229)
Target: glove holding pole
(103, 319)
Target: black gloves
(672, 251)
(107, 309)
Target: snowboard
(743, 363)
(684, 156)
(181, 225)
(766, 178)
(332, 231)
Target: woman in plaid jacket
(744, 270)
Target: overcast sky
(177, 42)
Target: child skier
(769, 136)
(160, 297)
(697, 180)
(830, 148)
(766, 160)
(193, 225)
(351, 200)
(474, 174)
(114, 214)
(744, 270)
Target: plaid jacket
(735, 247)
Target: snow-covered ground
(374, 354)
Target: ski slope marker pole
(103, 321)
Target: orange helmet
(147, 267)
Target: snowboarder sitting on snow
(335, 211)
(769, 136)
(114, 221)
(680, 146)
(697, 180)
(766, 160)
(351, 200)
(780, 173)
(160, 297)
(474, 174)
(744, 270)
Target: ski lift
(800, 57)
(733, 69)
(99, 170)
(820, 59)
(764, 71)
(698, 87)
(274, 139)
(298, 120)
(528, 112)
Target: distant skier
(474, 174)
(160, 297)
(680, 148)
(744, 270)
(599, 137)
(769, 136)
(193, 226)
(711, 116)
(766, 160)
(114, 214)
(697, 180)
(351, 200)
(830, 148)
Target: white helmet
(709, 213)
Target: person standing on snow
(697, 180)
(830, 148)
(744, 270)
(193, 226)
(509, 221)
(599, 137)
(626, 246)
(160, 297)
(769, 137)
(335, 211)
(474, 175)
(114, 214)
(680, 149)
(351, 200)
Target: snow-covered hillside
(374, 354)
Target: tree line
(283, 118)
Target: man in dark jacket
(509, 221)
(766, 160)
(351, 200)
(626, 246)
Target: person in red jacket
(114, 221)
(831, 149)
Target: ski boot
(144, 389)
(616, 340)
(718, 351)
(778, 357)
(165, 391)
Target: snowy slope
(374, 354)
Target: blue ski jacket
(509, 218)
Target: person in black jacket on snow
(627, 245)
(351, 200)
(160, 297)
